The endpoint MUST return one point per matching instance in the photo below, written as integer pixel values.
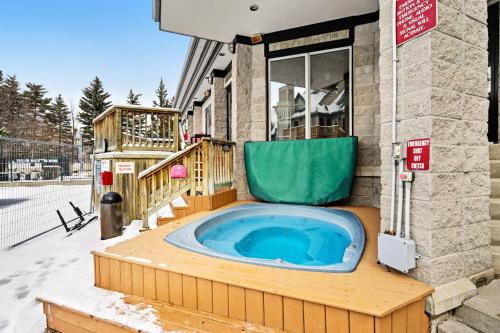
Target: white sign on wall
(124, 167)
(105, 165)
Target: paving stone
(451, 326)
(482, 312)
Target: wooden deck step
(195, 204)
(171, 318)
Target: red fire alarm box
(106, 178)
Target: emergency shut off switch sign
(418, 154)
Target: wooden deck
(171, 318)
(371, 299)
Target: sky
(64, 44)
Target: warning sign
(413, 18)
(124, 167)
(418, 153)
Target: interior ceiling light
(254, 7)
(222, 54)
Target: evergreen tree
(11, 105)
(93, 103)
(132, 98)
(37, 105)
(58, 118)
(161, 94)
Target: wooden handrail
(209, 167)
(134, 127)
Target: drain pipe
(394, 106)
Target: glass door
(330, 94)
(310, 95)
(288, 98)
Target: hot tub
(285, 236)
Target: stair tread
(487, 301)
(174, 318)
(451, 326)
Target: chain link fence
(36, 179)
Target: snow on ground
(28, 210)
(60, 269)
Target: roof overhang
(221, 20)
(203, 57)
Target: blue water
(296, 240)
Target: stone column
(241, 117)
(442, 94)
(366, 185)
(249, 106)
(219, 108)
(197, 118)
(190, 124)
(259, 94)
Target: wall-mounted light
(254, 7)
(210, 79)
(230, 48)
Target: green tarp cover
(308, 172)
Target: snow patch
(60, 269)
(144, 261)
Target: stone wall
(219, 108)
(366, 116)
(442, 94)
(197, 119)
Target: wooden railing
(133, 127)
(209, 167)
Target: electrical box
(396, 252)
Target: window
(208, 119)
(310, 95)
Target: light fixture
(254, 7)
(230, 48)
(222, 54)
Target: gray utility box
(396, 252)
(111, 215)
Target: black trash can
(111, 215)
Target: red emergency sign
(418, 153)
(413, 18)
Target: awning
(221, 20)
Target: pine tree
(132, 98)
(58, 118)
(37, 104)
(11, 105)
(93, 103)
(161, 94)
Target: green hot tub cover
(308, 172)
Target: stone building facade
(442, 94)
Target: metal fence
(36, 179)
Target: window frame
(307, 74)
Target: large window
(310, 95)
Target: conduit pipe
(400, 199)
(394, 106)
(407, 209)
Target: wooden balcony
(134, 127)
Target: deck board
(370, 289)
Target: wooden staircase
(495, 205)
(209, 172)
(200, 203)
